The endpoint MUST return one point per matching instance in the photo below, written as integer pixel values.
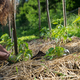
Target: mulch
(63, 68)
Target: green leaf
(17, 69)
(47, 52)
(55, 22)
(70, 39)
(65, 37)
(50, 50)
(78, 19)
(19, 56)
(51, 57)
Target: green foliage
(70, 18)
(28, 14)
(45, 33)
(70, 4)
(6, 41)
(28, 38)
(17, 69)
(59, 33)
(54, 52)
(78, 19)
(24, 53)
(73, 29)
(44, 21)
(57, 21)
(5, 37)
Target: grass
(28, 38)
(23, 38)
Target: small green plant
(24, 52)
(45, 33)
(54, 52)
(5, 40)
(17, 69)
(60, 34)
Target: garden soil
(62, 68)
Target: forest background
(27, 18)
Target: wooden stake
(49, 22)
(14, 29)
(64, 12)
(39, 12)
(78, 11)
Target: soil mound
(64, 68)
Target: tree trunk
(64, 12)
(39, 12)
(14, 28)
(49, 22)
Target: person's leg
(3, 55)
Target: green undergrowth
(68, 31)
(5, 37)
(61, 33)
(24, 53)
(28, 38)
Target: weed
(17, 69)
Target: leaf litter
(63, 68)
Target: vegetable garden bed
(63, 68)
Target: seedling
(54, 52)
(17, 69)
